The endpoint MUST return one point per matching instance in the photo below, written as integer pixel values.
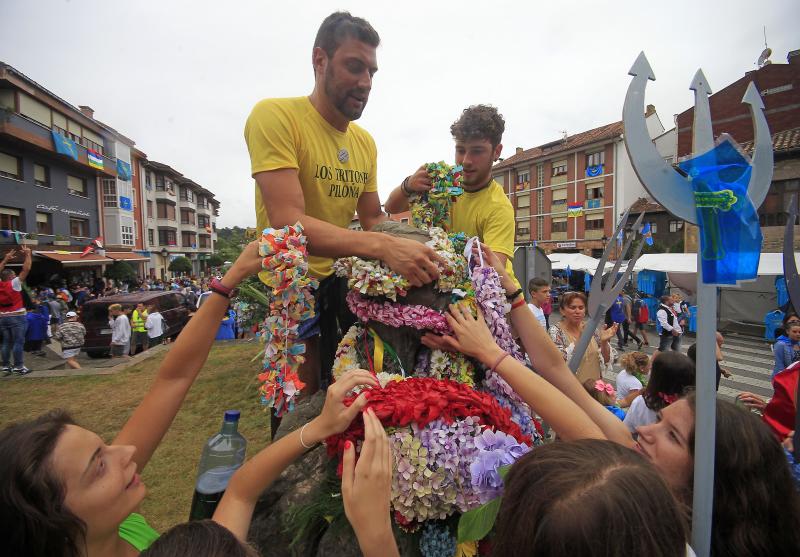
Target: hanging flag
(620, 237)
(575, 210)
(125, 203)
(648, 235)
(123, 170)
(95, 159)
(64, 145)
(87, 250)
(98, 242)
(595, 170)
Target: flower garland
(447, 365)
(371, 277)
(346, 357)
(397, 315)
(432, 208)
(285, 264)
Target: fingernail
(347, 445)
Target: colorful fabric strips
(285, 272)
(95, 159)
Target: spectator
(787, 348)
(692, 353)
(37, 331)
(56, 309)
(71, 335)
(13, 322)
(641, 315)
(120, 330)
(139, 338)
(671, 330)
(672, 373)
(616, 316)
(629, 319)
(539, 289)
(632, 378)
(225, 331)
(789, 318)
(605, 394)
(681, 310)
(154, 326)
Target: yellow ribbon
(377, 353)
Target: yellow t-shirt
(334, 167)
(489, 215)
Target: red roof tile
(787, 140)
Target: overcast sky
(180, 77)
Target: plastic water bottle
(222, 455)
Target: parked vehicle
(94, 316)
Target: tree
(121, 271)
(180, 265)
(215, 260)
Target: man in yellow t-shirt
(483, 210)
(313, 165)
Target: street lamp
(165, 255)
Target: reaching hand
(420, 181)
(248, 263)
(335, 416)
(414, 260)
(367, 488)
(752, 401)
(9, 256)
(490, 258)
(788, 443)
(472, 336)
(608, 332)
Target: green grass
(102, 403)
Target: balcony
(168, 194)
(166, 223)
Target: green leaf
(474, 525)
(503, 471)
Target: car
(94, 316)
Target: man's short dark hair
(340, 26)
(536, 284)
(479, 121)
(6, 274)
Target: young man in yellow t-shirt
(313, 165)
(483, 209)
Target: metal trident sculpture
(792, 279)
(602, 296)
(675, 192)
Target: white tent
(575, 262)
(770, 264)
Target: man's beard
(339, 98)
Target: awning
(126, 256)
(575, 262)
(770, 264)
(73, 258)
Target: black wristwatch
(513, 295)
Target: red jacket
(780, 411)
(10, 299)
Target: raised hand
(420, 181)
(415, 261)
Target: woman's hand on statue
(608, 332)
(367, 489)
(471, 336)
(248, 263)
(335, 416)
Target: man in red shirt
(13, 323)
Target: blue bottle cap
(232, 415)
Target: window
(149, 209)
(41, 175)
(150, 235)
(594, 191)
(165, 210)
(675, 225)
(404, 221)
(653, 228)
(202, 202)
(92, 141)
(595, 222)
(187, 194)
(523, 231)
(33, 109)
(559, 197)
(44, 223)
(147, 182)
(559, 224)
(79, 227)
(187, 216)
(159, 182)
(559, 168)
(188, 239)
(167, 238)
(523, 177)
(773, 211)
(205, 241)
(524, 200)
(109, 192)
(595, 159)
(203, 221)
(127, 235)
(10, 166)
(10, 218)
(76, 186)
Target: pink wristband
(499, 360)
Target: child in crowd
(71, 335)
(604, 393)
(633, 377)
(120, 330)
(670, 376)
(539, 289)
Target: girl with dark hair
(671, 374)
(64, 492)
(587, 498)
(749, 461)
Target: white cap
(72, 314)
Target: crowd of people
(618, 481)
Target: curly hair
(479, 121)
(34, 520)
(756, 506)
(634, 362)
